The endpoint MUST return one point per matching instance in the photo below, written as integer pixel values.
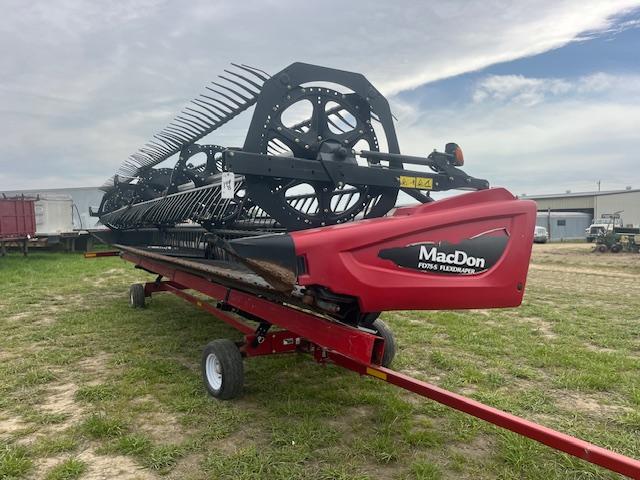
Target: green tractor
(619, 239)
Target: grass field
(90, 388)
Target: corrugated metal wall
(628, 202)
(565, 203)
(564, 226)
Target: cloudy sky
(543, 95)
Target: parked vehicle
(540, 235)
(619, 239)
(17, 222)
(602, 226)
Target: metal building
(595, 204)
(564, 225)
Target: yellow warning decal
(424, 183)
(376, 373)
(416, 182)
(407, 182)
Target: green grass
(82, 372)
(69, 469)
(14, 462)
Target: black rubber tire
(136, 296)
(385, 332)
(616, 248)
(602, 248)
(367, 319)
(231, 369)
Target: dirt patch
(6, 356)
(588, 404)
(162, 427)
(44, 321)
(43, 465)
(11, 425)
(96, 365)
(358, 415)
(107, 467)
(596, 348)
(188, 467)
(16, 317)
(540, 325)
(480, 447)
(61, 400)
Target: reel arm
(339, 171)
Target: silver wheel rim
(213, 370)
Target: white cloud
(531, 91)
(588, 132)
(519, 89)
(83, 83)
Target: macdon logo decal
(469, 257)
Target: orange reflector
(376, 373)
(459, 157)
(456, 152)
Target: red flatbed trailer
(17, 222)
(324, 339)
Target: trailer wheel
(222, 369)
(602, 248)
(136, 295)
(616, 248)
(385, 332)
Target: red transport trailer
(485, 236)
(17, 222)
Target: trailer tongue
(293, 240)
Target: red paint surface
(344, 258)
(17, 218)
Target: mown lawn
(90, 388)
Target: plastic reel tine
(262, 75)
(205, 105)
(153, 148)
(197, 120)
(210, 119)
(150, 152)
(226, 113)
(185, 125)
(169, 134)
(174, 138)
(167, 141)
(244, 87)
(177, 133)
(245, 99)
(160, 148)
(192, 123)
(177, 127)
(249, 81)
(222, 94)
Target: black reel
(334, 124)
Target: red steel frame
(352, 349)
